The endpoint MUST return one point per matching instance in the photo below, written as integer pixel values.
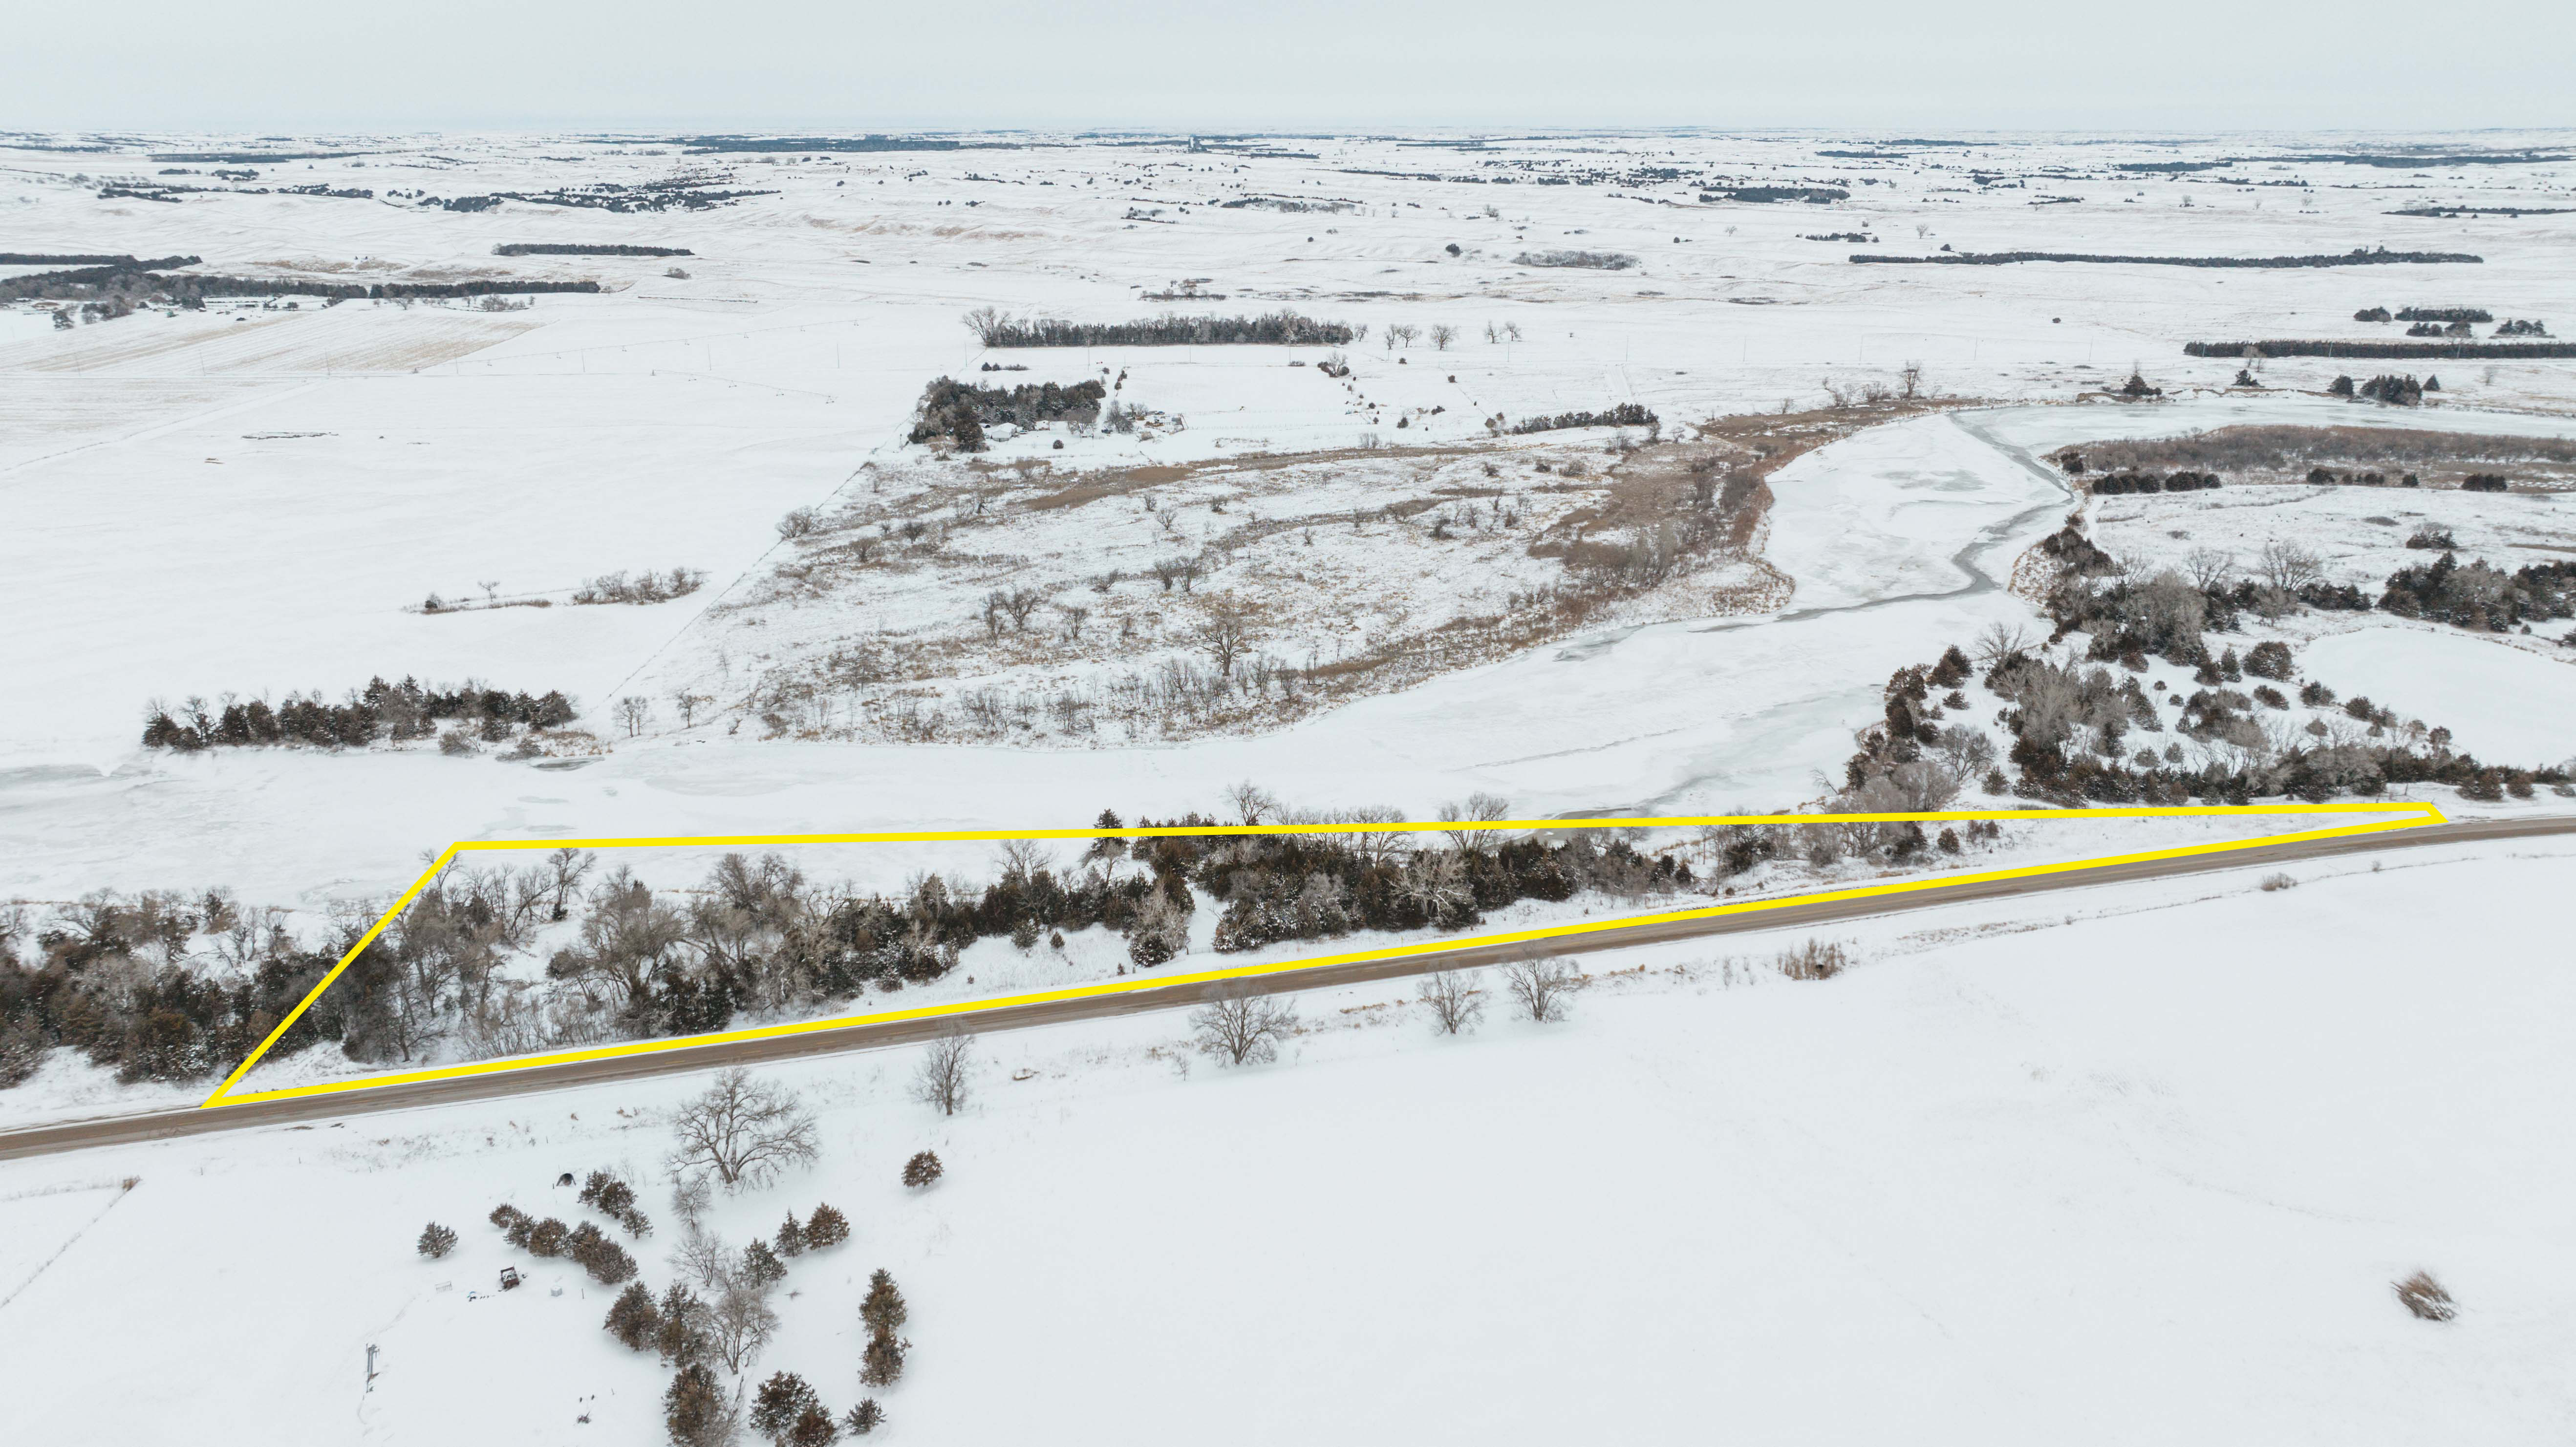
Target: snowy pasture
(1996, 1174)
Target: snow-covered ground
(2138, 1167)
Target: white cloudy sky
(2175, 65)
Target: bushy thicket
(2444, 314)
(1280, 328)
(2082, 732)
(1813, 195)
(397, 711)
(2475, 595)
(128, 981)
(2355, 257)
(1596, 260)
(960, 411)
(108, 978)
(1625, 414)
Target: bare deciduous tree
(688, 704)
(2287, 565)
(740, 1325)
(1541, 987)
(1074, 616)
(1480, 808)
(1240, 1025)
(1373, 846)
(745, 1132)
(2210, 567)
(1251, 801)
(1225, 635)
(565, 870)
(942, 1080)
(2001, 641)
(1020, 603)
(1453, 1001)
(634, 712)
(1442, 334)
(799, 522)
(702, 1258)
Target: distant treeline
(2444, 314)
(2355, 257)
(399, 711)
(254, 157)
(711, 145)
(1813, 195)
(128, 263)
(2456, 351)
(1626, 414)
(2447, 211)
(998, 329)
(2345, 158)
(526, 248)
(132, 283)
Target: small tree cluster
(610, 1196)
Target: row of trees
(396, 711)
(996, 328)
(163, 990)
(1624, 414)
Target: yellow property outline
(2411, 815)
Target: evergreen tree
(694, 1409)
(436, 1241)
(681, 1336)
(791, 1237)
(761, 1266)
(826, 1227)
(814, 1428)
(922, 1169)
(781, 1400)
(634, 1320)
(547, 1237)
(864, 1418)
(883, 1311)
(882, 1366)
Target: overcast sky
(2164, 65)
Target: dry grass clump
(2425, 1297)
(2276, 882)
(1815, 960)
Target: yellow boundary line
(2411, 815)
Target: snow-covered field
(2137, 1167)
(2135, 1171)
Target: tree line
(1624, 414)
(2470, 351)
(996, 328)
(396, 711)
(2358, 256)
(133, 282)
(530, 248)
